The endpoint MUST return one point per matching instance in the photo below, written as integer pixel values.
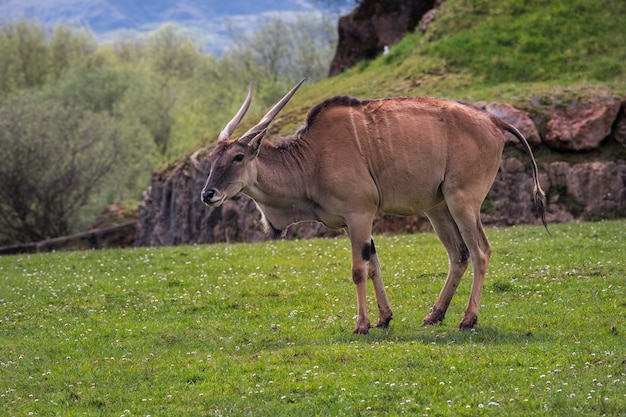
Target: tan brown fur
(356, 158)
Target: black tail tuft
(540, 203)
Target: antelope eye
(238, 158)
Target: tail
(538, 194)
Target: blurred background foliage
(84, 124)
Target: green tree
(172, 53)
(166, 62)
(23, 56)
(151, 103)
(94, 89)
(53, 158)
(106, 90)
(70, 48)
(128, 51)
(31, 55)
(286, 50)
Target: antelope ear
(255, 142)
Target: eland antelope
(355, 158)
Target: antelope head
(232, 167)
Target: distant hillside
(210, 20)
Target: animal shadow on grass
(441, 334)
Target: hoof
(468, 323)
(361, 330)
(434, 317)
(384, 322)
(362, 326)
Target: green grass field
(266, 329)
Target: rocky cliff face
(372, 26)
(581, 153)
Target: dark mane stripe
(347, 101)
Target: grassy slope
(266, 329)
(509, 51)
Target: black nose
(207, 196)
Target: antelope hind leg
(467, 218)
(458, 255)
(384, 310)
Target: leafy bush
(54, 158)
(31, 54)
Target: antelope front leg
(361, 254)
(362, 322)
